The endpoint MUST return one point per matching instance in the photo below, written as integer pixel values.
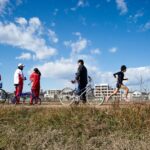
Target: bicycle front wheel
(66, 96)
(3, 96)
(94, 100)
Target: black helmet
(123, 67)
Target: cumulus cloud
(79, 45)
(24, 56)
(122, 6)
(146, 26)
(53, 36)
(59, 69)
(113, 50)
(26, 35)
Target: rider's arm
(78, 74)
(116, 74)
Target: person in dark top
(120, 85)
(82, 79)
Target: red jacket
(35, 79)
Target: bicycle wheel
(66, 96)
(94, 100)
(3, 96)
(36, 100)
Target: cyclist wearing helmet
(120, 85)
(19, 81)
(35, 80)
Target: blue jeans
(81, 89)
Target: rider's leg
(114, 93)
(18, 92)
(83, 93)
(126, 91)
(32, 96)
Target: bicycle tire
(66, 97)
(36, 100)
(93, 100)
(3, 96)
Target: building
(137, 95)
(52, 94)
(105, 89)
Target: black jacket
(82, 75)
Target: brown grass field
(54, 127)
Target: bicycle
(68, 96)
(26, 97)
(3, 94)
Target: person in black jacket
(120, 85)
(82, 79)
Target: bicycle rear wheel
(66, 96)
(3, 96)
(94, 100)
(36, 100)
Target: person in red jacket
(35, 80)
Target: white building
(52, 94)
(105, 89)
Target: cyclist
(120, 85)
(19, 81)
(35, 80)
(82, 79)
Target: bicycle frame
(85, 90)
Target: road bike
(25, 98)
(70, 96)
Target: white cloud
(61, 69)
(146, 26)
(3, 4)
(96, 51)
(78, 45)
(24, 56)
(21, 21)
(113, 50)
(122, 6)
(26, 37)
(53, 36)
(134, 18)
(81, 3)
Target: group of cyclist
(81, 78)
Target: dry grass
(76, 128)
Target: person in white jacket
(18, 82)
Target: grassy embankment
(76, 128)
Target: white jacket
(18, 76)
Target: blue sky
(53, 35)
